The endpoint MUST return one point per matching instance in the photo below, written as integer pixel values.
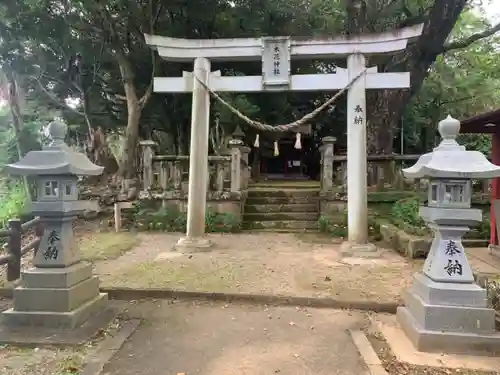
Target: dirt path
(215, 339)
(276, 263)
(151, 245)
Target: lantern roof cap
(451, 160)
(55, 159)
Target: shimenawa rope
(280, 128)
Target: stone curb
(128, 294)
(367, 353)
(108, 348)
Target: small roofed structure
(488, 123)
(484, 123)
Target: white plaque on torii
(276, 66)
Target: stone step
(281, 216)
(274, 230)
(270, 208)
(292, 225)
(263, 200)
(282, 193)
(286, 185)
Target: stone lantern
(444, 309)
(60, 291)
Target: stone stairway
(282, 207)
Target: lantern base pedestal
(15, 330)
(56, 320)
(446, 342)
(453, 294)
(56, 299)
(448, 317)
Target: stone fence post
(245, 175)
(148, 153)
(235, 145)
(327, 164)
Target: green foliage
(404, 215)
(461, 83)
(171, 220)
(41, 39)
(13, 201)
(406, 210)
(30, 138)
(476, 142)
(336, 226)
(493, 294)
(221, 223)
(333, 227)
(482, 231)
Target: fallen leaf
(71, 370)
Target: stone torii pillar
(198, 161)
(276, 54)
(357, 200)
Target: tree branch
(55, 100)
(464, 43)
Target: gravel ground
(394, 367)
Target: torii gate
(276, 54)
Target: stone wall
(412, 246)
(165, 178)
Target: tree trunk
(388, 106)
(14, 100)
(15, 111)
(128, 161)
(100, 153)
(383, 121)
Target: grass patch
(190, 277)
(107, 245)
(261, 275)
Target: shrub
(404, 214)
(493, 293)
(406, 217)
(482, 230)
(336, 226)
(172, 220)
(221, 222)
(407, 211)
(13, 199)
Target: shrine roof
(487, 123)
